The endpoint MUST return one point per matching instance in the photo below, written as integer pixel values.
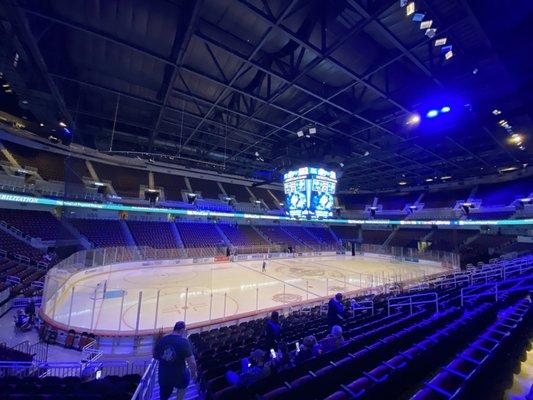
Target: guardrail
(90, 352)
(497, 289)
(363, 305)
(146, 385)
(413, 300)
(65, 369)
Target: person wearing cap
(254, 368)
(177, 365)
(335, 311)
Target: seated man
(309, 349)
(334, 340)
(253, 369)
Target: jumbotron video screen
(309, 192)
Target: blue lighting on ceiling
(445, 109)
(432, 113)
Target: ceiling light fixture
(413, 119)
(426, 24)
(430, 33)
(418, 17)
(432, 113)
(496, 112)
(410, 8)
(441, 41)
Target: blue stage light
(432, 113)
(445, 109)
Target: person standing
(30, 311)
(335, 311)
(177, 365)
(272, 331)
(264, 267)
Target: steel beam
(179, 48)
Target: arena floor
(219, 290)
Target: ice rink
(144, 299)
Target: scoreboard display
(309, 192)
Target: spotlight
(445, 109)
(402, 183)
(441, 42)
(426, 24)
(503, 122)
(413, 119)
(516, 138)
(312, 131)
(448, 55)
(62, 124)
(429, 180)
(300, 133)
(366, 153)
(444, 178)
(418, 17)
(41, 124)
(432, 113)
(430, 33)
(496, 112)
(410, 8)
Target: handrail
(413, 300)
(146, 385)
(494, 288)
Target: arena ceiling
(228, 84)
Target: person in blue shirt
(272, 331)
(177, 365)
(335, 311)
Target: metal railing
(413, 300)
(90, 352)
(496, 289)
(65, 369)
(146, 385)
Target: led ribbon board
(309, 192)
(16, 198)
